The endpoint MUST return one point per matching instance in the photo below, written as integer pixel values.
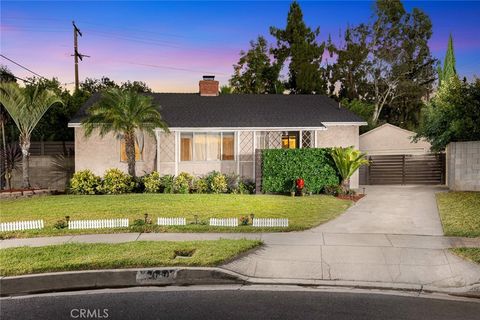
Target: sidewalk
(309, 256)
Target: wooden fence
(21, 225)
(228, 222)
(171, 221)
(98, 224)
(270, 222)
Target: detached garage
(395, 159)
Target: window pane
(228, 146)
(186, 146)
(292, 141)
(199, 145)
(213, 146)
(123, 152)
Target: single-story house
(388, 139)
(210, 132)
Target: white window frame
(206, 146)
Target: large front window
(210, 146)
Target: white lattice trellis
(307, 139)
(246, 146)
(269, 140)
(167, 147)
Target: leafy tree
(255, 72)
(299, 44)
(124, 112)
(387, 63)
(5, 76)
(449, 70)
(361, 108)
(348, 161)
(137, 86)
(92, 86)
(351, 66)
(452, 115)
(26, 107)
(226, 90)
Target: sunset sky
(169, 45)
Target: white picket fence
(270, 222)
(171, 221)
(21, 225)
(228, 222)
(98, 224)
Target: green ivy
(281, 167)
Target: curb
(182, 276)
(97, 279)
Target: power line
(21, 66)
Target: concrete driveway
(391, 210)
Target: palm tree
(348, 160)
(26, 108)
(123, 112)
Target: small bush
(233, 181)
(217, 182)
(334, 190)
(152, 182)
(200, 185)
(60, 224)
(244, 220)
(84, 182)
(167, 183)
(183, 183)
(246, 187)
(116, 182)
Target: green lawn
(77, 256)
(460, 213)
(472, 254)
(302, 212)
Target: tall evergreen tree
(299, 44)
(256, 72)
(449, 70)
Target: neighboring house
(221, 132)
(388, 139)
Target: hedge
(281, 167)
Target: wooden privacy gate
(404, 169)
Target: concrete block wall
(463, 166)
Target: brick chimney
(208, 86)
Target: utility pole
(76, 54)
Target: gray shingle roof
(189, 110)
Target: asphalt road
(233, 304)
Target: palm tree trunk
(25, 146)
(345, 185)
(130, 151)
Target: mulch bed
(355, 197)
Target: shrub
(246, 187)
(167, 183)
(334, 190)
(116, 182)
(84, 182)
(281, 167)
(233, 180)
(183, 183)
(244, 220)
(200, 185)
(217, 182)
(60, 224)
(152, 182)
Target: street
(235, 302)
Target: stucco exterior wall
(99, 154)
(388, 139)
(340, 136)
(463, 166)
